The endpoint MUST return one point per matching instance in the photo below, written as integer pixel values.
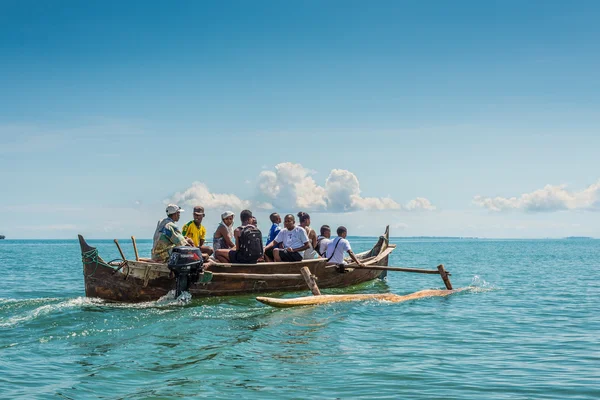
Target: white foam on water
(167, 300)
(478, 284)
(45, 310)
(58, 304)
(167, 297)
(28, 301)
(184, 298)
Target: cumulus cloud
(264, 206)
(342, 192)
(292, 186)
(198, 193)
(420, 203)
(550, 198)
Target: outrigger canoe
(143, 280)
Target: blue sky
(463, 118)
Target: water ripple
(516, 332)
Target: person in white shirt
(338, 246)
(294, 240)
(323, 240)
(311, 252)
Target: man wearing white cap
(168, 235)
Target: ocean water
(527, 327)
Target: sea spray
(169, 298)
(478, 284)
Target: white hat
(173, 208)
(226, 214)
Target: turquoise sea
(528, 327)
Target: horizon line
(572, 237)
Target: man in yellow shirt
(196, 231)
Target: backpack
(318, 246)
(250, 245)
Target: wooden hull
(138, 281)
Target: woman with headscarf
(223, 236)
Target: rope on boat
(92, 256)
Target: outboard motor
(186, 264)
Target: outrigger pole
(439, 271)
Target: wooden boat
(143, 280)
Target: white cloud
(292, 186)
(343, 194)
(198, 193)
(420, 203)
(264, 206)
(550, 198)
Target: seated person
(275, 221)
(311, 252)
(294, 240)
(223, 236)
(337, 247)
(248, 243)
(197, 232)
(167, 235)
(323, 240)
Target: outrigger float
(143, 280)
(338, 298)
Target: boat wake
(15, 312)
(168, 300)
(24, 313)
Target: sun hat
(227, 214)
(173, 208)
